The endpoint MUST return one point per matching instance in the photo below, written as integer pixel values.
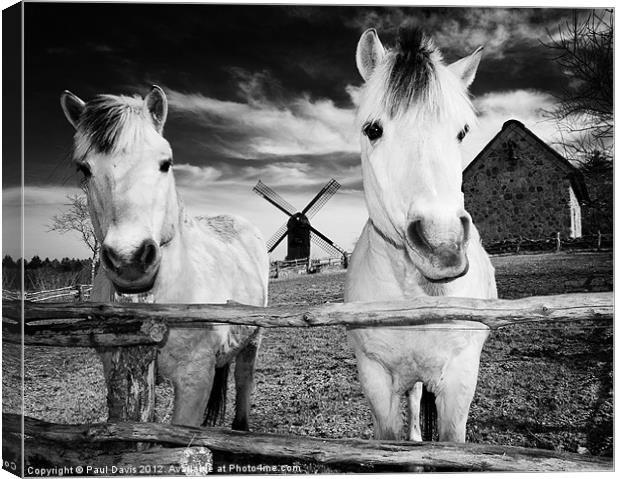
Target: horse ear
(369, 53)
(157, 105)
(72, 106)
(466, 68)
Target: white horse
(419, 240)
(150, 244)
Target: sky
(255, 92)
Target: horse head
(414, 112)
(126, 166)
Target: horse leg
(455, 394)
(413, 401)
(245, 366)
(192, 386)
(378, 387)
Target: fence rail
(551, 243)
(291, 263)
(469, 456)
(306, 265)
(140, 327)
(114, 324)
(79, 293)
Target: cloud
(53, 196)
(192, 175)
(530, 107)
(354, 94)
(265, 123)
(516, 102)
(462, 30)
(296, 173)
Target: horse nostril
(147, 254)
(415, 231)
(109, 258)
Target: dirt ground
(548, 386)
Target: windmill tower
(298, 228)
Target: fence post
(131, 384)
(558, 242)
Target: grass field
(545, 386)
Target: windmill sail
(330, 249)
(277, 238)
(321, 198)
(325, 243)
(274, 198)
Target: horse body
(419, 240)
(150, 244)
(392, 361)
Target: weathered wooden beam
(422, 311)
(467, 456)
(92, 334)
(47, 458)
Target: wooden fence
(556, 243)
(79, 292)
(135, 330)
(280, 269)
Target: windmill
(298, 228)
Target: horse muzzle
(439, 254)
(447, 275)
(135, 273)
(442, 265)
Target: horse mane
(412, 69)
(414, 75)
(109, 123)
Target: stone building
(520, 186)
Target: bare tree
(584, 51)
(76, 218)
(597, 170)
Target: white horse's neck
(381, 270)
(176, 270)
(386, 261)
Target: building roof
(573, 174)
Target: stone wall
(516, 187)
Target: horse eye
(373, 131)
(165, 165)
(462, 133)
(84, 169)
